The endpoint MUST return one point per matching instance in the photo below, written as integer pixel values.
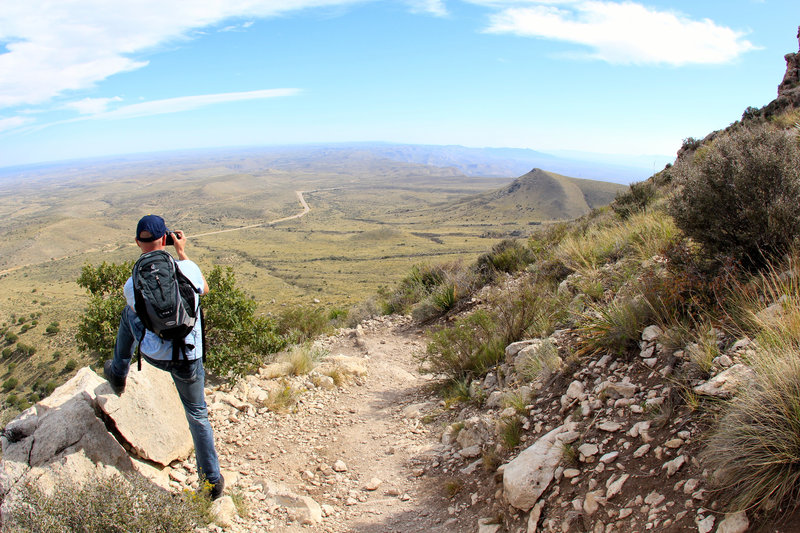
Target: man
(188, 374)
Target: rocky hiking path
(359, 451)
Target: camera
(170, 240)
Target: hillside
(539, 195)
(635, 369)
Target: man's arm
(180, 250)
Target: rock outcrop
(83, 430)
(790, 85)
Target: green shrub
(530, 310)
(740, 197)
(26, 349)
(52, 328)
(511, 432)
(7, 352)
(614, 328)
(754, 451)
(635, 199)
(97, 329)
(421, 281)
(71, 365)
(303, 359)
(302, 324)
(506, 256)
(444, 298)
(11, 338)
(468, 349)
(10, 384)
(540, 363)
(105, 504)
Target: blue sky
(85, 78)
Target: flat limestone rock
(149, 416)
(71, 427)
(727, 383)
(85, 382)
(527, 476)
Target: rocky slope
(604, 446)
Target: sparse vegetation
(739, 197)
(105, 504)
(468, 349)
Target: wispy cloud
(187, 103)
(620, 32)
(55, 47)
(147, 109)
(92, 106)
(431, 7)
(13, 123)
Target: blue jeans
(189, 378)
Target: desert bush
(106, 504)
(97, 330)
(440, 286)
(468, 349)
(301, 323)
(52, 328)
(635, 199)
(506, 256)
(11, 338)
(238, 341)
(10, 384)
(445, 297)
(71, 365)
(540, 362)
(511, 432)
(303, 359)
(282, 400)
(740, 198)
(614, 328)
(530, 310)
(755, 448)
(363, 311)
(767, 307)
(641, 236)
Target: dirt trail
(373, 426)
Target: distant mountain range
(486, 162)
(510, 162)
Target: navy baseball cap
(152, 224)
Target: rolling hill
(539, 195)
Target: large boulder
(84, 430)
(149, 416)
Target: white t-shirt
(154, 346)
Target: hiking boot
(217, 488)
(117, 383)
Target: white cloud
(622, 32)
(92, 106)
(55, 47)
(187, 103)
(432, 7)
(13, 122)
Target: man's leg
(189, 378)
(128, 335)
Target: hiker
(182, 358)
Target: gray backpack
(165, 300)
